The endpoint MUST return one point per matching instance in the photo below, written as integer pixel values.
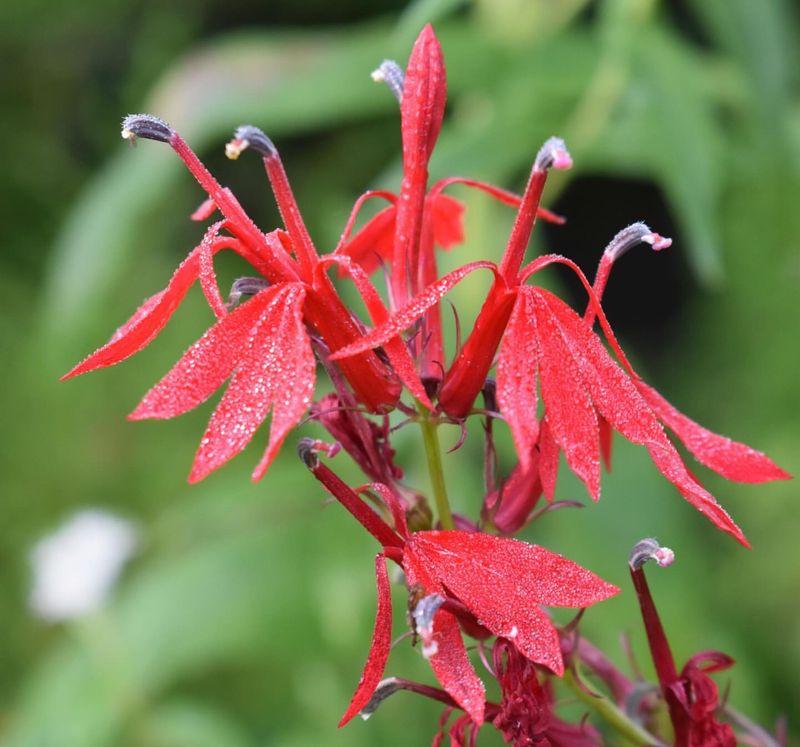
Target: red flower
(263, 344)
(487, 583)
(405, 233)
(691, 696)
(546, 345)
(525, 715)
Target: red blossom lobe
(502, 582)
(734, 461)
(450, 662)
(379, 648)
(375, 241)
(618, 400)
(517, 379)
(151, 317)
(204, 367)
(275, 372)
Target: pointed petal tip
(70, 374)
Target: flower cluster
(557, 386)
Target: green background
(246, 616)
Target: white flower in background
(75, 567)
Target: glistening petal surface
(204, 367)
(379, 648)
(733, 460)
(517, 368)
(619, 401)
(502, 580)
(277, 371)
(570, 412)
(149, 319)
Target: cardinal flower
(691, 696)
(404, 234)
(263, 345)
(525, 715)
(545, 345)
(489, 585)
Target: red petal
(516, 378)
(205, 210)
(454, 670)
(277, 371)
(149, 319)
(502, 580)
(373, 242)
(549, 455)
(208, 280)
(606, 441)
(412, 311)
(570, 412)
(395, 349)
(380, 646)
(732, 460)
(618, 400)
(422, 105)
(447, 217)
(204, 367)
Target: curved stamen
(248, 136)
(649, 549)
(624, 241)
(553, 155)
(147, 126)
(390, 73)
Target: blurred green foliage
(246, 617)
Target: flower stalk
(433, 455)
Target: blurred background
(245, 613)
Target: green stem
(434, 455)
(611, 714)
